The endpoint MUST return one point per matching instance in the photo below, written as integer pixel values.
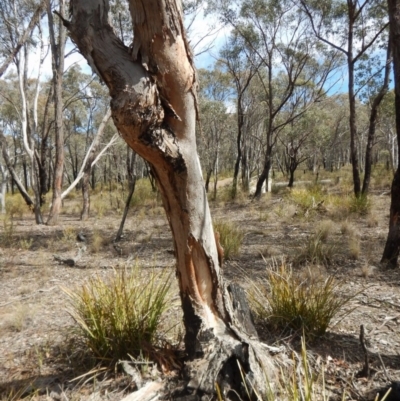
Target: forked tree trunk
(154, 107)
(392, 248)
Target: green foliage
(287, 301)
(121, 314)
(231, 237)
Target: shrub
(286, 301)
(121, 314)
(231, 238)
(15, 206)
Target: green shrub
(286, 301)
(121, 314)
(231, 237)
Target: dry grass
(231, 237)
(17, 318)
(287, 301)
(354, 248)
(97, 242)
(120, 315)
(315, 250)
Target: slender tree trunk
(353, 129)
(3, 188)
(57, 50)
(291, 177)
(208, 177)
(132, 183)
(157, 118)
(372, 122)
(265, 173)
(240, 118)
(392, 247)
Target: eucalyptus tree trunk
(392, 247)
(154, 106)
(57, 51)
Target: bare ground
(39, 356)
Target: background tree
(57, 45)
(353, 28)
(292, 67)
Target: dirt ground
(38, 354)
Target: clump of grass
(97, 242)
(325, 229)
(288, 302)
(347, 228)
(69, 234)
(121, 314)
(25, 243)
(231, 237)
(7, 236)
(360, 205)
(17, 320)
(354, 248)
(307, 198)
(315, 250)
(100, 206)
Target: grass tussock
(360, 205)
(120, 315)
(307, 198)
(287, 301)
(97, 242)
(316, 250)
(231, 237)
(7, 234)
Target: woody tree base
(152, 87)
